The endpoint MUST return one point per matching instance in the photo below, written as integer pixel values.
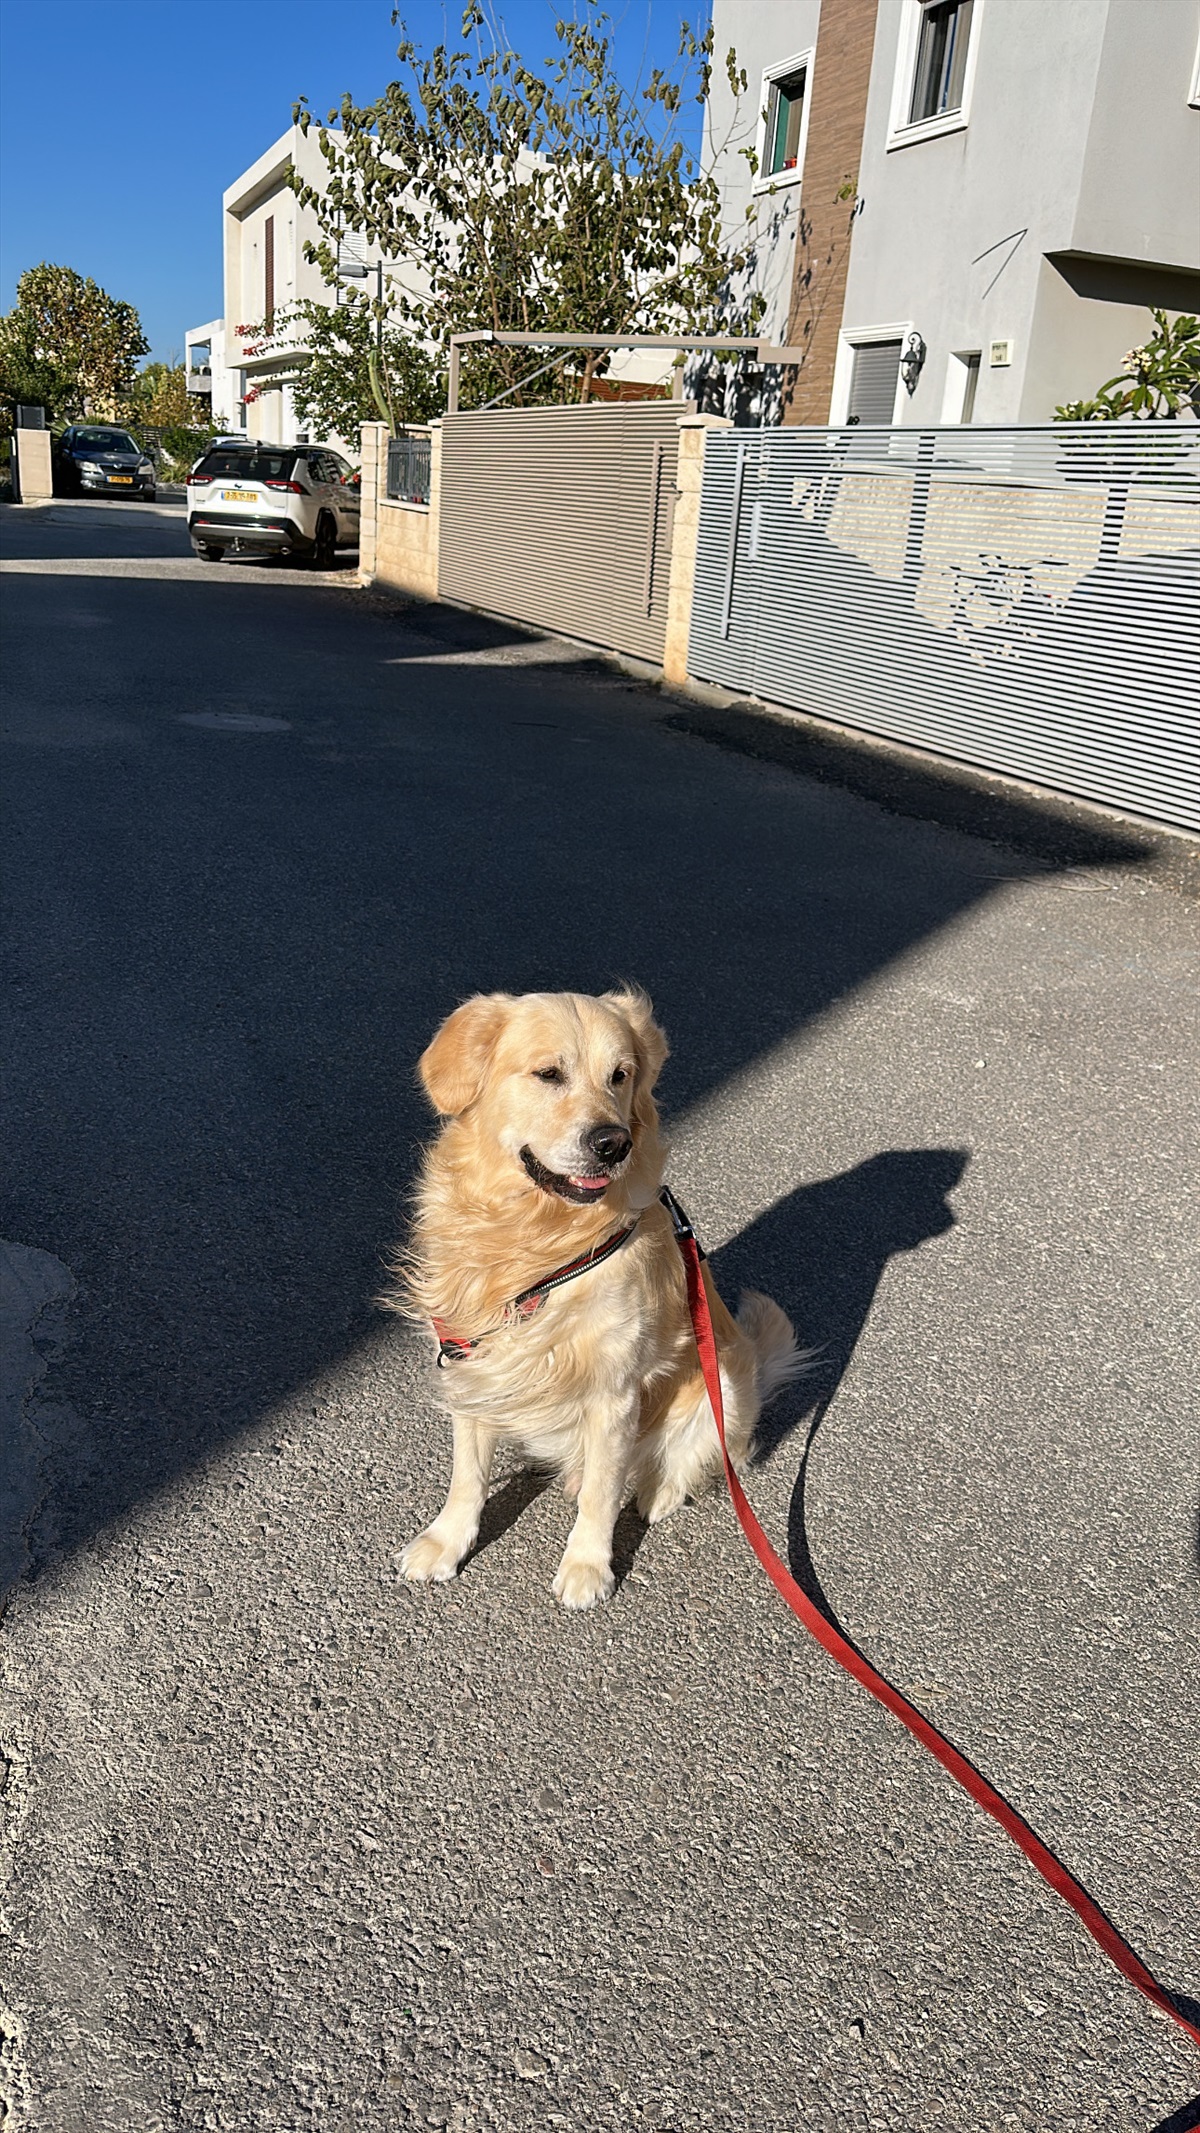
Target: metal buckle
(679, 1221)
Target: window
(784, 122)
(784, 119)
(269, 272)
(939, 78)
(240, 465)
(873, 380)
(935, 65)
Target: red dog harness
(452, 1347)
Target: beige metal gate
(561, 516)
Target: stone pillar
(373, 450)
(31, 471)
(685, 533)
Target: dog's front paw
(430, 1559)
(582, 1582)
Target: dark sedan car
(94, 460)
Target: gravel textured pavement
(295, 1846)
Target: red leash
(1051, 1869)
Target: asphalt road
(295, 1846)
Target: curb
(909, 781)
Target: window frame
(766, 181)
(849, 339)
(903, 132)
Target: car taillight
(294, 487)
(202, 479)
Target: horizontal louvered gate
(561, 516)
(1027, 600)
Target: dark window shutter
(269, 270)
(873, 382)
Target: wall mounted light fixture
(912, 362)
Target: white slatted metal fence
(1024, 600)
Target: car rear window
(247, 466)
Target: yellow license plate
(238, 496)
(122, 477)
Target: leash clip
(679, 1221)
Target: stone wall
(399, 545)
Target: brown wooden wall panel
(841, 75)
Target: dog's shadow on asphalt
(821, 1253)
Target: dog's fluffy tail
(777, 1359)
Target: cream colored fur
(603, 1382)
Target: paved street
(297, 1846)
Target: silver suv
(270, 499)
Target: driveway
(295, 1846)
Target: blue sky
(126, 119)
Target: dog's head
(556, 1085)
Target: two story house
(963, 210)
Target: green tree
(1161, 378)
(31, 378)
(510, 200)
(159, 395)
(354, 368)
(89, 338)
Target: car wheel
(325, 546)
(210, 552)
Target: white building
(207, 373)
(265, 232)
(266, 228)
(964, 208)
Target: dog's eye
(620, 1074)
(548, 1074)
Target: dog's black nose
(609, 1141)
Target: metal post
(452, 383)
(731, 552)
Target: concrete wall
(1087, 314)
(1139, 190)
(398, 545)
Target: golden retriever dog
(551, 1152)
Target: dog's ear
(652, 1047)
(454, 1066)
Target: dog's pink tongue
(591, 1184)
